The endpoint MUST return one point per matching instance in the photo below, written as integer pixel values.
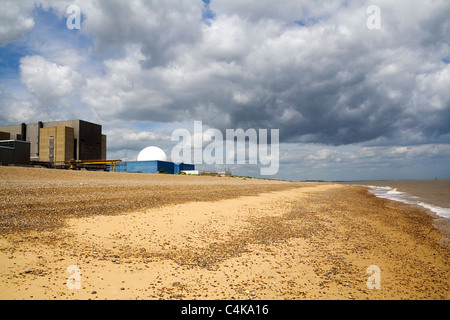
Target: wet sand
(139, 236)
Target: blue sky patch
(207, 13)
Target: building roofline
(18, 124)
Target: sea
(433, 195)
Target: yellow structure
(56, 144)
(74, 163)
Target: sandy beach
(149, 236)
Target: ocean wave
(442, 212)
(390, 193)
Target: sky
(356, 93)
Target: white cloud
(47, 80)
(16, 20)
(132, 139)
(15, 111)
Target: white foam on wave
(442, 212)
(394, 194)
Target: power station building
(74, 143)
(153, 166)
(14, 152)
(53, 142)
(153, 160)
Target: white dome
(151, 154)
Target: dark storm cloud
(334, 82)
(252, 64)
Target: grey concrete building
(14, 152)
(59, 141)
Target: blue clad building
(153, 166)
(152, 160)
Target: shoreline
(307, 241)
(416, 192)
(441, 223)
